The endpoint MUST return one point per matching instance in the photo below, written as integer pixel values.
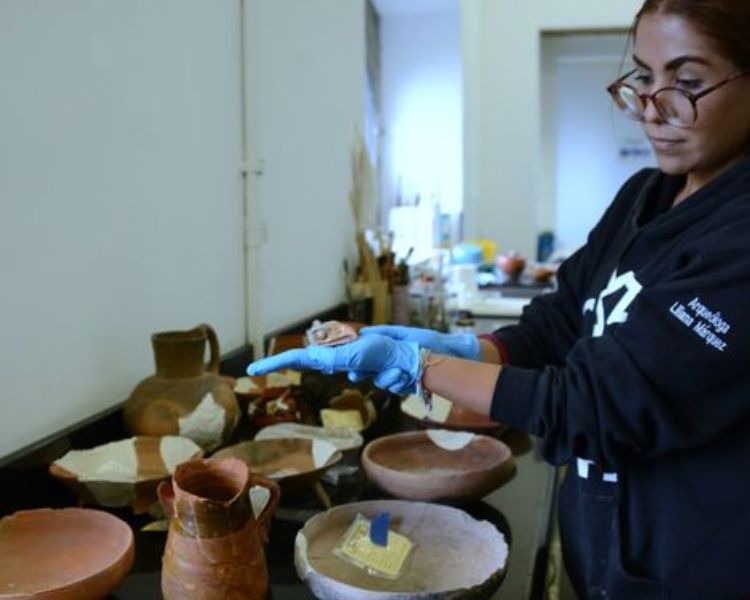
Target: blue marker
(379, 529)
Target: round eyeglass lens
(675, 107)
(629, 101)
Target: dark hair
(725, 22)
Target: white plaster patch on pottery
(415, 407)
(205, 424)
(113, 462)
(245, 385)
(322, 452)
(259, 497)
(175, 450)
(450, 440)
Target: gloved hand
(460, 345)
(393, 364)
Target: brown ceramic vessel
(455, 557)
(512, 264)
(411, 466)
(214, 547)
(185, 397)
(154, 463)
(66, 554)
(289, 462)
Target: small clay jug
(186, 396)
(215, 544)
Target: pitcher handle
(264, 519)
(213, 343)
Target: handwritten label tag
(342, 418)
(386, 561)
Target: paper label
(384, 560)
(342, 418)
(283, 379)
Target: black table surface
(520, 510)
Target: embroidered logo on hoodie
(630, 288)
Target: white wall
(306, 104)
(594, 146)
(504, 189)
(422, 108)
(120, 196)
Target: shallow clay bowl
(289, 462)
(125, 472)
(345, 439)
(66, 554)
(411, 466)
(454, 555)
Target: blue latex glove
(460, 345)
(393, 364)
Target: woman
(636, 372)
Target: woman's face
(669, 52)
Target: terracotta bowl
(454, 556)
(290, 462)
(126, 472)
(67, 554)
(412, 466)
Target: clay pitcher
(185, 397)
(215, 544)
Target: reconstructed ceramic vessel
(295, 464)
(455, 557)
(214, 547)
(185, 397)
(125, 472)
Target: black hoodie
(636, 373)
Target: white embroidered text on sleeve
(707, 324)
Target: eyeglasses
(676, 106)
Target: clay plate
(126, 472)
(411, 466)
(343, 438)
(289, 462)
(455, 556)
(67, 554)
